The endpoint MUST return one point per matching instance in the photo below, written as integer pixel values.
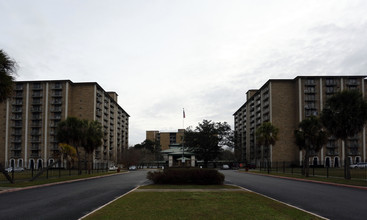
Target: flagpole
(183, 137)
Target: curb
(312, 181)
(101, 207)
(303, 210)
(58, 183)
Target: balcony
(35, 140)
(16, 140)
(16, 154)
(57, 86)
(35, 154)
(37, 102)
(19, 87)
(36, 124)
(310, 82)
(37, 87)
(53, 125)
(56, 109)
(36, 110)
(36, 133)
(15, 148)
(310, 90)
(56, 102)
(36, 117)
(17, 124)
(56, 117)
(330, 90)
(16, 117)
(57, 94)
(330, 82)
(352, 82)
(37, 95)
(17, 110)
(17, 102)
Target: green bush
(186, 176)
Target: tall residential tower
(285, 103)
(29, 120)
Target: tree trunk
(346, 162)
(79, 161)
(306, 164)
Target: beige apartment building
(166, 138)
(29, 120)
(285, 103)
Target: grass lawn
(197, 205)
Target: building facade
(166, 139)
(29, 120)
(285, 103)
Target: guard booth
(178, 156)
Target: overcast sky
(165, 55)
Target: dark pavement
(333, 202)
(69, 200)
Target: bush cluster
(186, 176)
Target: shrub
(187, 176)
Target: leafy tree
(310, 137)
(266, 135)
(92, 138)
(207, 140)
(149, 147)
(227, 155)
(344, 116)
(7, 68)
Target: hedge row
(186, 176)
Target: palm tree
(7, 68)
(266, 135)
(93, 139)
(70, 132)
(68, 152)
(310, 137)
(345, 115)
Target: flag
(184, 113)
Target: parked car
(359, 165)
(225, 167)
(133, 167)
(16, 169)
(112, 168)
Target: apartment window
(57, 101)
(37, 94)
(36, 101)
(18, 102)
(37, 86)
(19, 94)
(19, 87)
(352, 81)
(57, 85)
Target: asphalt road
(333, 202)
(69, 200)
